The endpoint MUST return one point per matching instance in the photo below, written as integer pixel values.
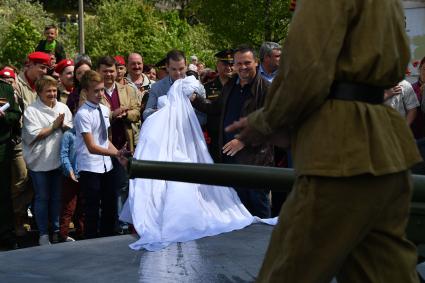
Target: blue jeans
(47, 200)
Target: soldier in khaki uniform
(22, 193)
(348, 210)
(9, 118)
(213, 91)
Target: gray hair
(267, 48)
(81, 57)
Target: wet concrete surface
(233, 257)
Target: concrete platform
(230, 257)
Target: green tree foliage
(21, 25)
(19, 41)
(243, 21)
(124, 26)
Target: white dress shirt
(87, 120)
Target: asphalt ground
(229, 257)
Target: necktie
(103, 130)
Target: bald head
(135, 66)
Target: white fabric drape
(164, 212)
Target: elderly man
(135, 72)
(269, 59)
(348, 210)
(137, 79)
(176, 67)
(65, 69)
(242, 95)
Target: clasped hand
(120, 112)
(58, 122)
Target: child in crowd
(94, 151)
(71, 195)
(50, 44)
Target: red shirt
(117, 125)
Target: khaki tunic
(344, 40)
(24, 90)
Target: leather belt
(356, 92)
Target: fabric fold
(165, 212)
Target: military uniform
(213, 90)
(349, 207)
(7, 123)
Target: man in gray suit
(176, 67)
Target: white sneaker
(29, 213)
(69, 239)
(44, 240)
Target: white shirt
(43, 155)
(110, 91)
(87, 120)
(405, 101)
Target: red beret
(6, 73)
(120, 60)
(39, 57)
(63, 64)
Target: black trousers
(7, 235)
(256, 201)
(100, 198)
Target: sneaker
(69, 239)
(29, 213)
(44, 240)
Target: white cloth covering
(164, 212)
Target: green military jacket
(350, 41)
(13, 114)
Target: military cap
(161, 64)
(120, 60)
(63, 64)
(225, 56)
(40, 58)
(6, 73)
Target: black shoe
(8, 245)
(55, 238)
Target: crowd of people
(68, 124)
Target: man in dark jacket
(242, 95)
